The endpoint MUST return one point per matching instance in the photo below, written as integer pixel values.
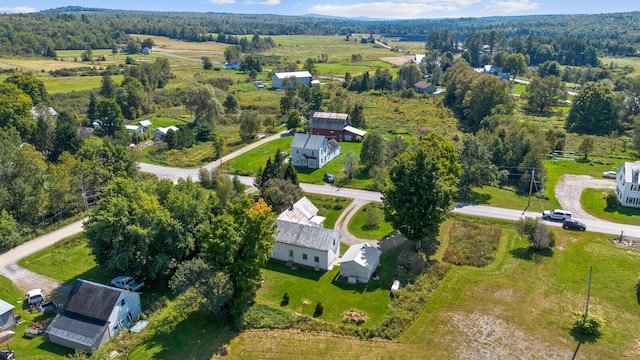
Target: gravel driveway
(569, 191)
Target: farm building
(93, 314)
(302, 77)
(360, 262)
(334, 126)
(313, 151)
(306, 245)
(302, 212)
(422, 87)
(7, 319)
(160, 132)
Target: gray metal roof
(307, 141)
(76, 329)
(5, 307)
(311, 237)
(297, 74)
(333, 144)
(302, 212)
(330, 121)
(364, 255)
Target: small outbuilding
(93, 314)
(159, 133)
(286, 80)
(7, 319)
(360, 262)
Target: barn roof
(302, 212)
(297, 74)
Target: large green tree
(593, 111)
(373, 152)
(543, 94)
(129, 231)
(423, 183)
(486, 95)
(477, 169)
(15, 110)
(203, 104)
(110, 114)
(31, 86)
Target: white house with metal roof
(302, 212)
(360, 262)
(305, 245)
(313, 151)
(628, 184)
(160, 132)
(302, 77)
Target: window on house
(316, 259)
(122, 302)
(290, 253)
(304, 256)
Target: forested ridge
(76, 27)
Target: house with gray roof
(313, 151)
(93, 314)
(359, 262)
(628, 184)
(302, 212)
(305, 245)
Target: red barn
(334, 126)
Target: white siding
(325, 261)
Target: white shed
(360, 262)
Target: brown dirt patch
(483, 336)
(398, 60)
(354, 316)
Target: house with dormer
(628, 184)
(313, 151)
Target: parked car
(35, 296)
(609, 174)
(328, 178)
(571, 224)
(127, 283)
(7, 355)
(556, 215)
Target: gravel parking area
(569, 190)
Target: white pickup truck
(556, 215)
(127, 283)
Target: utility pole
(586, 310)
(533, 174)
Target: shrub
(373, 218)
(354, 316)
(589, 325)
(319, 309)
(285, 299)
(638, 285)
(612, 200)
(536, 232)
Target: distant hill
(73, 9)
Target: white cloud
(510, 6)
(393, 10)
(17, 10)
(222, 2)
(264, 2)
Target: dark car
(571, 224)
(328, 178)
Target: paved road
(25, 279)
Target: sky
(378, 9)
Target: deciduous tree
(593, 111)
(423, 183)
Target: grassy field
(358, 225)
(250, 162)
(593, 201)
(493, 311)
(330, 207)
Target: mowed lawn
(518, 307)
(308, 287)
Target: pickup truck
(556, 215)
(127, 283)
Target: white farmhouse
(305, 245)
(628, 184)
(93, 314)
(313, 151)
(302, 212)
(302, 77)
(360, 262)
